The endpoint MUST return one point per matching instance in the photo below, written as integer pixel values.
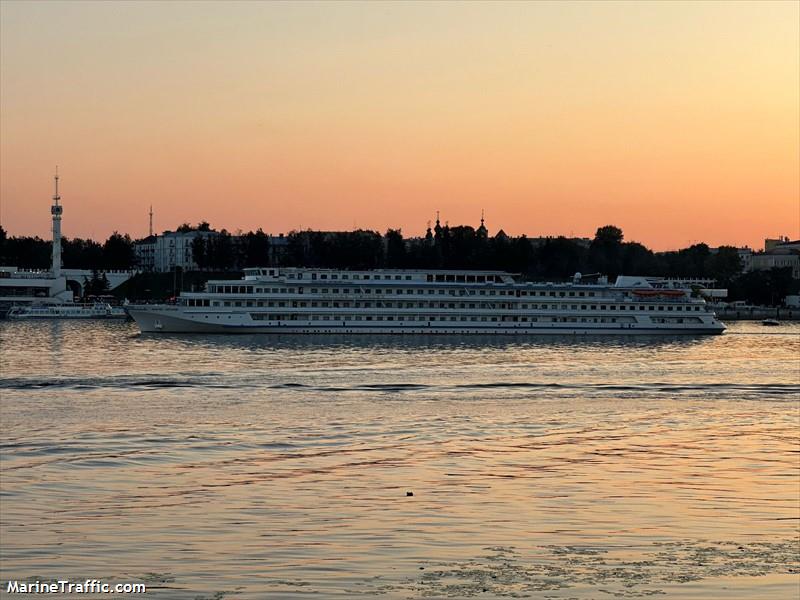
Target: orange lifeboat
(646, 293)
(673, 293)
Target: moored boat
(305, 300)
(97, 310)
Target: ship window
(481, 279)
(408, 277)
(660, 308)
(334, 276)
(460, 278)
(562, 294)
(397, 277)
(612, 307)
(572, 293)
(323, 276)
(366, 276)
(591, 293)
(440, 278)
(669, 308)
(581, 294)
(651, 308)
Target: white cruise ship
(305, 300)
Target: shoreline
(758, 314)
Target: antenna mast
(56, 211)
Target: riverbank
(757, 313)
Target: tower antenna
(56, 211)
(56, 197)
(151, 221)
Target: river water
(249, 467)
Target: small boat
(98, 310)
(770, 322)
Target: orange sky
(678, 122)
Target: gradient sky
(678, 122)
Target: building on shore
(778, 253)
(56, 285)
(175, 249)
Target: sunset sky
(678, 122)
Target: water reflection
(415, 343)
(258, 466)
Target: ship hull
(174, 321)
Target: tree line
(463, 247)
(443, 247)
(115, 253)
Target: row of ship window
(443, 277)
(426, 318)
(192, 302)
(245, 289)
(462, 318)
